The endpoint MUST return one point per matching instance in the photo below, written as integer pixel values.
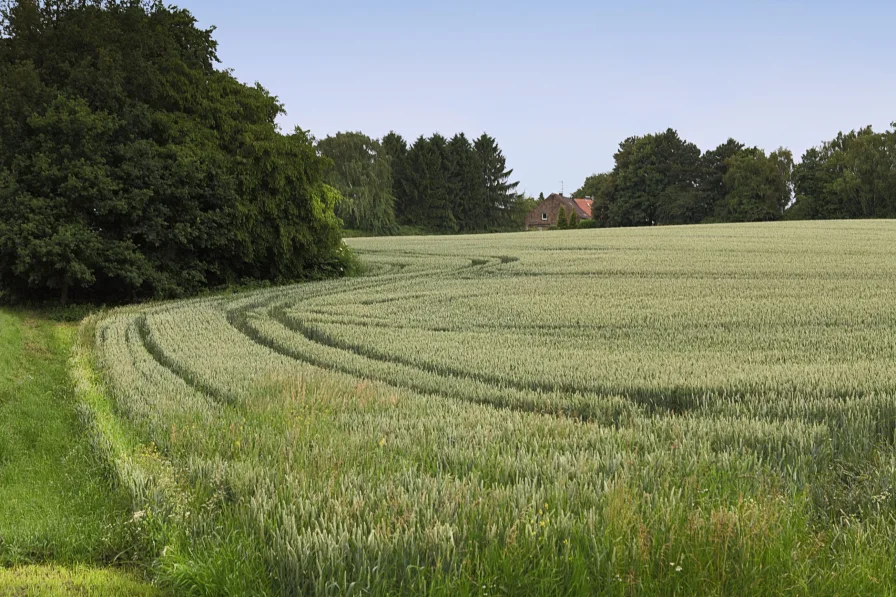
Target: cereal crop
(682, 410)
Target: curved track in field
(454, 322)
(295, 322)
(693, 371)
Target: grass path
(55, 504)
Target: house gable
(547, 212)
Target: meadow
(685, 410)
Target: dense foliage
(662, 179)
(851, 176)
(464, 421)
(131, 167)
(361, 172)
(452, 185)
(758, 186)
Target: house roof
(581, 207)
(584, 206)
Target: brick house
(547, 212)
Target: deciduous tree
(131, 167)
(655, 181)
(362, 173)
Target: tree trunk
(63, 297)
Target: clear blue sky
(560, 84)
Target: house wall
(551, 207)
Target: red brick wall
(551, 207)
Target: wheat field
(686, 410)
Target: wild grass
(674, 411)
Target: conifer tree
(465, 185)
(429, 195)
(396, 148)
(499, 196)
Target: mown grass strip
(57, 502)
(80, 581)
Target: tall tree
(851, 176)
(600, 188)
(396, 148)
(594, 186)
(499, 196)
(655, 181)
(782, 158)
(361, 172)
(714, 167)
(755, 187)
(812, 179)
(440, 216)
(430, 199)
(465, 185)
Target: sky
(560, 84)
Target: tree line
(661, 179)
(436, 184)
(131, 167)
(851, 176)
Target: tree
(396, 149)
(595, 186)
(454, 186)
(131, 167)
(573, 221)
(755, 187)
(851, 176)
(600, 187)
(654, 181)
(465, 185)
(523, 206)
(812, 179)
(865, 184)
(499, 196)
(714, 167)
(429, 193)
(782, 158)
(362, 174)
(562, 221)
